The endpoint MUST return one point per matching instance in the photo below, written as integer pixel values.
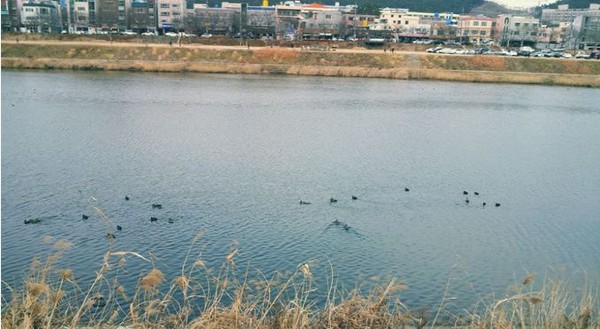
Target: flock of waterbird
(346, 227)
(109, 235)
(336, 222)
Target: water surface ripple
(234, 155)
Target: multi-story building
(171, 14)
(107, 15)
(516, 31)
(407, 24)
(320, 21)
(474, 29)
(586, 31)
(212, 20)
(564, 14)
(260, 20)
(41, 17)
(140, 16)
(554, 36)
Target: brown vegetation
(200, 297)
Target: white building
(41, 17)
(516, 30)
(171, 14)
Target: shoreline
(405, 65)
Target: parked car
(128, 33)
(433, 49)
(447, 51)
(595, 54)
(582, 54)
(171, 34)
(148, 33)
(206, 36)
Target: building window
(483, 23)
(328, 16)
(29, 10)
(164, 13)
(517, 24)
(164, 5)
(481, 32)
(405, 22)
(475, 23)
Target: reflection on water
(234, 155)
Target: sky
(523, 3)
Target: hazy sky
(524, 3)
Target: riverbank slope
(355, 62)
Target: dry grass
(266, 60)
(201, 297)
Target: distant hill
(493, 9)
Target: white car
(433, 50)
(447, 51)
(148, 33)
(171, 34)
(129, 33)
(206, 36)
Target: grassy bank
(234, 297)
(295, 61)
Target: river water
(233, 156)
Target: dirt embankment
(357, 62)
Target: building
(516, 31)
(415, 25)
(565, 15)
(140, 17)
(317, 21)
(475, 29)
(171, 14)
(41, 17)
(260, 20)
(107, 15)
(586, 32)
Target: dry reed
(201, 297)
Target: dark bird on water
(156, 205)
(484, 204)
(332, 200)
(304, 202)
(153, 219)
(119, 228)
(346, 227)
(497, 204)
(126, 198)
(465, 193)
(467, 200)
(406, 189)
(476, 193)
(32, 221)
(354, 198)
(84, 217)
(336, 222)
(171, 221)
